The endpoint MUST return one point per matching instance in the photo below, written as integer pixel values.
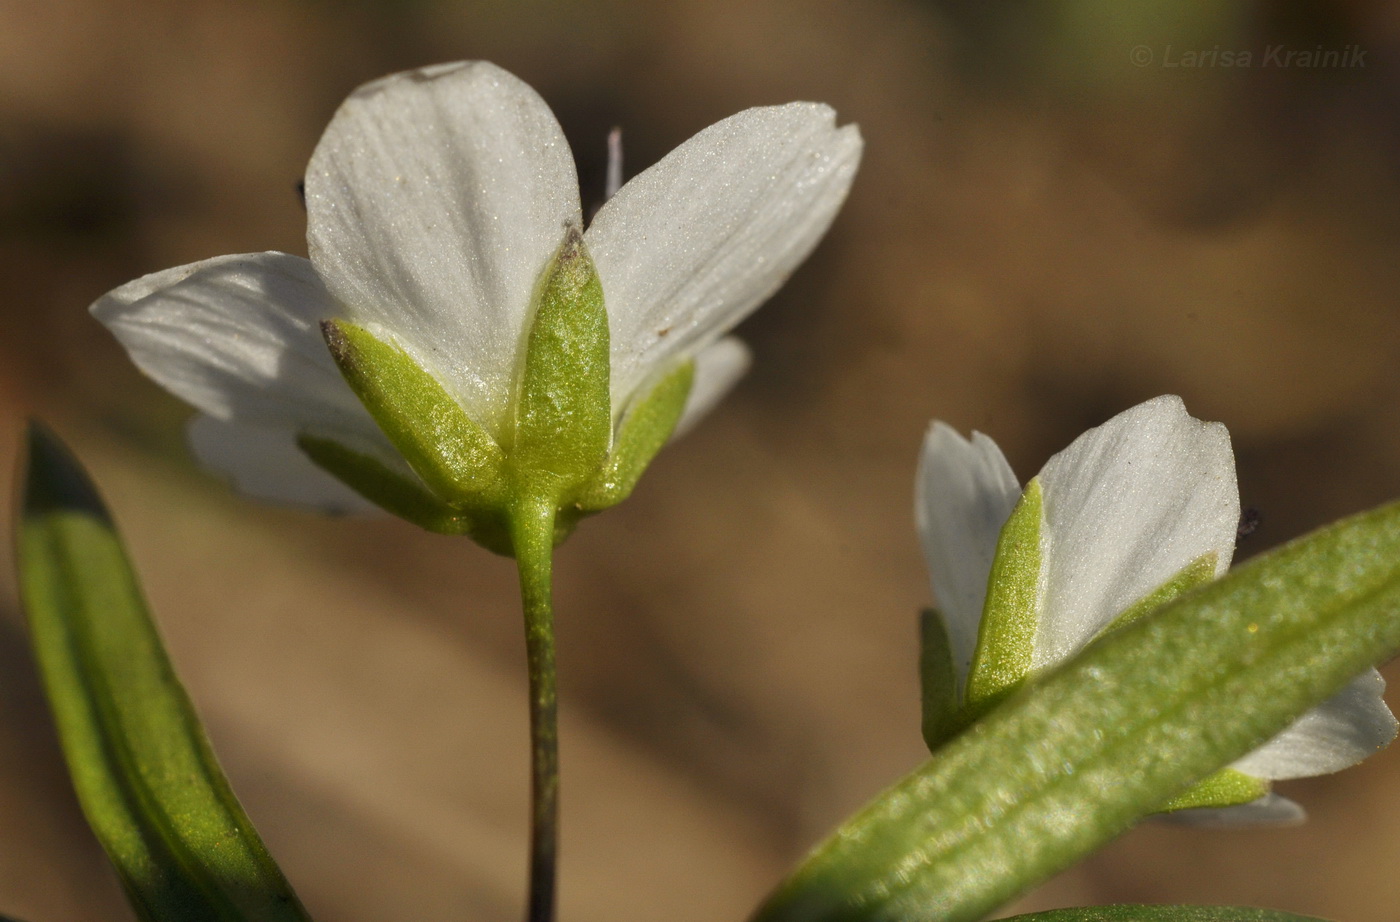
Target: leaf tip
(54, 481)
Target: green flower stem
(532, 531)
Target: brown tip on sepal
(336, 340)
(572, 247)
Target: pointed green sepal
(1196, 573)
(563, 424)
(1225, 788)
(1010, 617)
(938, 680)
(394, 492)
(646, 427)
(142, 768)
(456, 458)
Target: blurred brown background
(1050, 225)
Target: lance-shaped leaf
(1073, 760)
(1162, 914)
(142, 768)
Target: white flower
(1145, 499)
(436, 202)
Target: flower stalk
(445, 353)
(532, 532)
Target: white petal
(689, 247)
(1343, 730)
(718, 368)
(434, 200)
(265, 463)
(1127, 506)
(239, 338)
(964, 493)
(1269, 810)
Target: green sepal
(455, 457)
(407, 499)
(1087, 749)
(1225, 788)
(1162, 914)
(1011, 615)
(142, 768)
(1196, 573)
(938, 680)
(388, 489)
(646, 427)
(563, 422)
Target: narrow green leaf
(563, 426)
(1227, 787)
(1076, 757)
(455, 456)
(938, 680)
(1011, 615)
(142, 768)
(646, 427)
(1162, 914)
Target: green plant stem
(532, 528)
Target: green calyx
(1001, 663)
(646, 427)
(1011, 614)
(563, 410)
(1225, 788)
(390, 490)
(1196, 573)
(559, 447)
(937, 680)
(1115, 733)
(455, 457)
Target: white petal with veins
(718, 368)
(1269, 810)
(1343, 730)
(435, 199)
(239, 337)
(691, 246)
(266, 463)
(1128, 505)
(964, 493)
